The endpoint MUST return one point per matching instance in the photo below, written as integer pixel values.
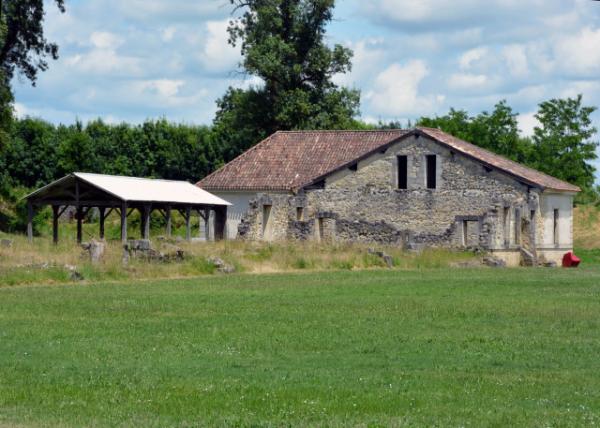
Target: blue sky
(137, 59)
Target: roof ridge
(129, 177)
(331, 131)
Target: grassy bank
(43, 262)
(382, 348)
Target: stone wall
(365, 205)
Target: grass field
(459, 347)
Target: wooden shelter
(111, 193)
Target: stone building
(411, 188)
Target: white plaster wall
(236, 211)
(564, 203)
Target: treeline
(38, 152)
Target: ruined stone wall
(365, 205)
(282, 223)
(369, 207)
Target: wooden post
(29, 221)
(220, 222)
(142, 219)
(188, 217)
(200, 216)
(124, 222)
(79, 226)
(207, 224)
(146, 222)
(78, 212)
(55, 223)
(102, 218)
(168, 219)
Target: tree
(563, 142)
(24, 47)
(77, 152)
(282, 43)
(497, 131)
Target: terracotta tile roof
(290, 160)
(515, 169)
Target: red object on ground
(570, 260)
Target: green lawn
(454, 347)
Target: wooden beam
(55, 215)
(207, 224)
(147, 210)
(220, 222)
(188, 230)
(79, 216)
(102, 218)
(29, 221)
(124, 223)
(168, 219)
(82, 202)
(61, 212)
(142, 219)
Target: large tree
(23, 45)
(282, 43)
(23, 49)
(563, 141)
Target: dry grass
(42, 261)
(586, 227)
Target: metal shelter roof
(134, 189)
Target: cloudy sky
(128, 60)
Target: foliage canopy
(283, 48)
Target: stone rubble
(142, 249)
(95, 250)
(221, 265)
(388, 260)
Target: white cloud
(104, 61)
(590, 89)
(218, 54)
(369, 55)
(516, 60)
(396, 91)
(105, 40)
(578, 53)
(162, 87)
(468, 81)
(527, 122)
(168, 33)
(467, 59)
(21, 110)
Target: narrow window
(402, 172)
(265, 221)
(517, 226)
(555, 228)
(299, 213)
(506, 226)
(320, 229)
(465, 233)
(431, 171)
